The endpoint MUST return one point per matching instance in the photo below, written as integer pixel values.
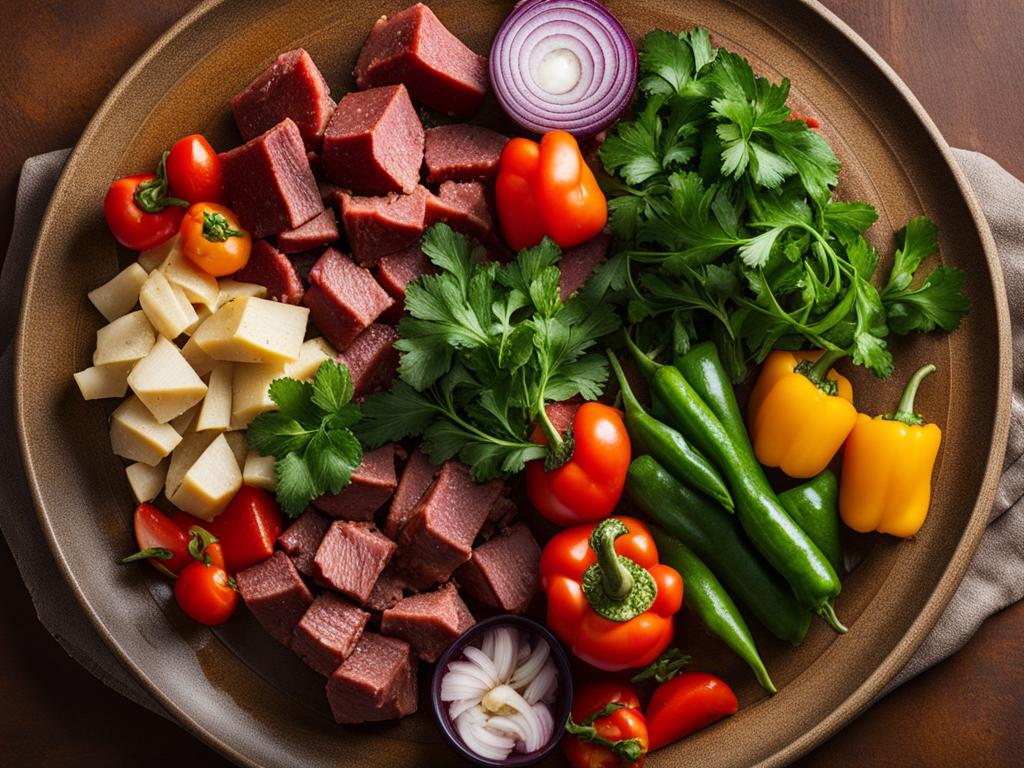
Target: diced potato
(239, 446)
(215, 411)
(311, 354)
(184, 456)
(124, 341)
(202, 313)
(201, 362)
(146, 481)
(251, 330)
(182, 423)
(232, 289)
(166, 306)
(200, 287)
(101, 381)
(249, 396)
(165, 382)
(210, 483)
(119, 295)
(137, 436)
(259, 471)
(153, 257)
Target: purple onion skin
(523, 99)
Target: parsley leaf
(309, 436)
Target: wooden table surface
(965, 62)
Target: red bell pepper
(685, 704)
(246, 529)
(589, 485)
(609, 599)
(606, 728)
(548, 189)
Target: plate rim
(839, 716)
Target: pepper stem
(819, 371)
(624, 389)
(905, 409)
(615, 577)
(647, 366)
(827, 611)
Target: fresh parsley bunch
(310, 436)
(484, 347)
(722, 206)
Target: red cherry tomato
(158, 535)
(194, 172)
(204, 590)
(132, 226)
(617, 740)
(247, 528)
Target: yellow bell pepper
(886, 484)
(800, 412)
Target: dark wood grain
(963, 60)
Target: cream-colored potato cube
(184, 456)
(146, 481)
(239, 445)
(202, 313)
(210, 483)
(119, 295)
(101, 381)
(312, 353)
(137, 436)
(200, 287)
(183, 422)
(259, 471)
(201, 362)
(251, 330)
(215, 411)
(232, 289)
(249, 393)
(165, 382)
(153, 257)
(166, 305)
(124, 341)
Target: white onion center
(559, 71)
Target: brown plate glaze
(249, 698)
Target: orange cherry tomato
(213, 240)
(194, 172)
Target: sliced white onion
(542, 686)
(532, 667)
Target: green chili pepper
(669, 447)
(762, 516)
(700, 409)
(815, 508)
(706, 597)
(716, 538)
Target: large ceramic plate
(251, 699)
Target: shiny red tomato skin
(205, 594)
(131, 226)
(155, 529)
(194, 171)
(247, 528)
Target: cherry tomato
(161, 541)
(616, 740)
(247, 528)
(213, 240)
(194, 172)
(204, 590)
(132, 226)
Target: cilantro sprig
(484, 347)
(309, 436)
(721, 202)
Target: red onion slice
(563, 65)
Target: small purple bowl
(560, 708)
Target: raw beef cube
(579, 262)
(374, 142)
(462, 152)
(329, 193)
(272, 269)
(380, 225)
(438, 538)
(388, 590)
(291, 87)
(343, 298)
(416, 478)
(372, 359)
(413, 47)
(396, 270)
(463, 206)
(376, 682)
(302, 538)
(317, 232)
(276, 595)
(499, 516)
(269, 182)
(351, 557)
(327, 632)
(372, 484)
(428, 622)
(503, 572)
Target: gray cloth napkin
(994, 580)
